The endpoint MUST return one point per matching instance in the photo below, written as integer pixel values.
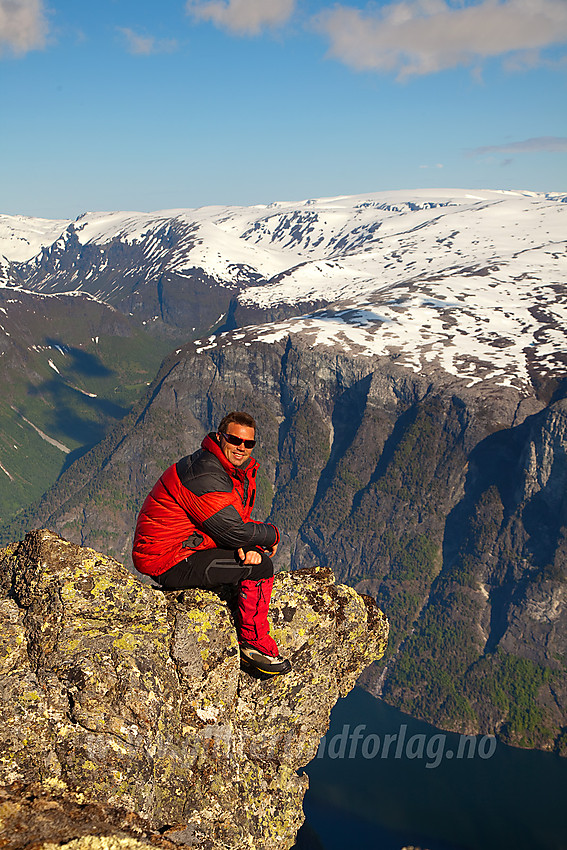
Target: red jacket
(201, 502)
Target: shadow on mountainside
(81, 361)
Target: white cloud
(242, 17)
(23, 25)
(425, 36)
(549, 144)
(143, 45)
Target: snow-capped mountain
(473, 282)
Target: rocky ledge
(126, 715)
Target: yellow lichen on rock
(95, 842)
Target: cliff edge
(126, 713)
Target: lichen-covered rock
(48, 815)
(134, 698)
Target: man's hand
(271, 552)
(251, 557)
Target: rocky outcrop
(128, 705)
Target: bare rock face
(118, 696)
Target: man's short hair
(239, 418)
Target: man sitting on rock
(194, 530)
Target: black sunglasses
(236, 441)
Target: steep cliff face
(118, 698)
(442, 498)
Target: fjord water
(424, 787)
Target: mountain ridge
(398, 273)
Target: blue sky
(132, 104)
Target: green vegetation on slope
(513, 685)
(73, 402)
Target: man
(194, 530)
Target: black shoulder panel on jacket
(202, 473)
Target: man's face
(237, 455)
